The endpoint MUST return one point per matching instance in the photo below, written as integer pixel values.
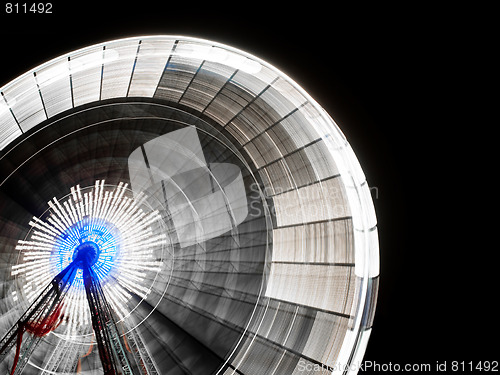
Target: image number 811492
(19, 8)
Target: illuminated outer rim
(21, 108)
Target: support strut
(109, 341)
(46, 313)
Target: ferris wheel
(171, 205)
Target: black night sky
(383, 74)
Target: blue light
(89, 234)
(87, 252)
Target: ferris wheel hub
(87, 253)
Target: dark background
(386, 75)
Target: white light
(52, 237)
(4, 107)
(219, 55)
(93, 60)
(52, 74)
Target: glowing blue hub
(86, 253)
(93, 241)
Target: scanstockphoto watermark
(309, 201)
(368, 366)
(365, 366)
(374, 366)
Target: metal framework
(47, 312)
(43, 316)
(109, 342)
